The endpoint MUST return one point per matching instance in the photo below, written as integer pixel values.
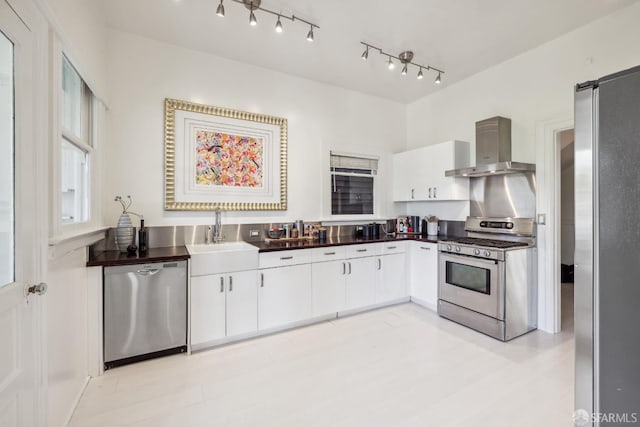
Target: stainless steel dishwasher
(145, 311)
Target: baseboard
(425, 304)
(77, 400)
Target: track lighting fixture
(406, 59)
(254, 5)
(220, 10)
(365, 54)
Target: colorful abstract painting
(229, 160)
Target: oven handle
(466, 259)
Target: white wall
(78, 24)
(531, 88)
(66, 333)
(142, 72)
(535, 90)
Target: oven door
(473, 283)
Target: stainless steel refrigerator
(607, 250)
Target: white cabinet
(284, 295)
(328, 284)
(391, 279)
(223, 305)
(424, 273)
(418, 175)
(360, 282)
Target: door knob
(39, 289)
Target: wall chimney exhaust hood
(493, 151)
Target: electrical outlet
(542, 219)
(254, 233)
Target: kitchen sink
(224, 257)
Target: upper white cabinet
(418, 175)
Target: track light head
(252, 19)
(404, 70)
(420, 75)
(438, 79)
(390, 64)
(220, 10)
(365, 54)
(279, 25)
(310, 34)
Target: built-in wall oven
(490, 284)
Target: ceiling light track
(254, 5)
(405, 58)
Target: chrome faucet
(217, 227)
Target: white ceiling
(462, 37)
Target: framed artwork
(218, 158)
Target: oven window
(469, 277)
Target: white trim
(548, 202)
(61, 245)
(76, 401)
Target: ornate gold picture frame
(219, 158)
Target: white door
(21, 373)
(208, 314)
(360, 287)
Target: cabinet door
(242, 302)
(284, 295)
(328, 287)
(402, 176)
(207, 308)
(390, 278)
(360, 284)
(424, 273)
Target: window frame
(91, 119)
(375, 190)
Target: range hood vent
(493, 151)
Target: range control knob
(457, 248)
(448, 247)
(476, 251)
(487, 253)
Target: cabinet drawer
(284, 258)
(358, 251)
(331, 253)
(393, 248)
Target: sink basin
(224, 257)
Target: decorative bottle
(143, 238)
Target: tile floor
(397, 366)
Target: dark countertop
(115, 258)
(340, 240)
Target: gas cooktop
(489, 243)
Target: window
(75, 146)
(352, 184)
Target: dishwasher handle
(148, 271)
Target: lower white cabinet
(390, 278)
(328, 286)
(284, 295)
(360, 282)
(424, 273)
(223, 305)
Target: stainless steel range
(487, 280)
